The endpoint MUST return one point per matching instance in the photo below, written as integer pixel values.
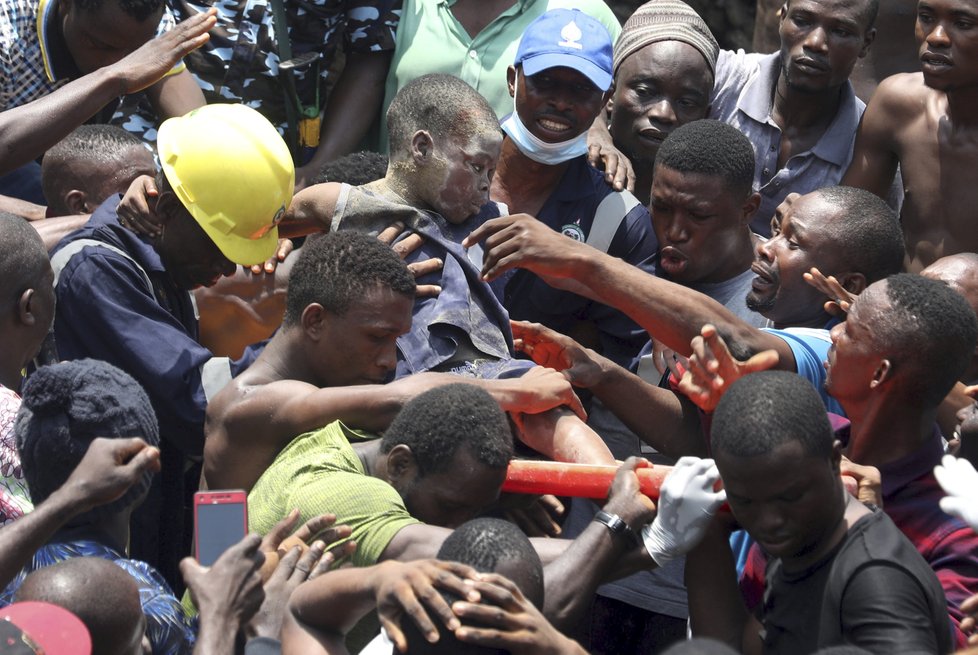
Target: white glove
(686, 504)
(959, 480)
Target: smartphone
(220, 521)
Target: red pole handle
(577, 480)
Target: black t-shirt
(874, 590)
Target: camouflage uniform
(240, 61)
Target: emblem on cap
(571, 36)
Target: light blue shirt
(743, 96)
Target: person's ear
(401, 465)
(25, 308)
(882, 374)
(422, 146)
(511, 81)
(76, 202)
(313, 320)
(606, 98)
(836, 455)
(167, 206)
(854, 283)
(749, 208)
(867, 42)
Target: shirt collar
(898, 474)
(757, 101)
(139, 247)
(58, 63)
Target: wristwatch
(614, 523)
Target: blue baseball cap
(568, 38)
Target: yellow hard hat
(233, 172)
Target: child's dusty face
(468, 167)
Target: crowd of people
(355, 258)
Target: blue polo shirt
(570, 209)
(743, 95)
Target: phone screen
(219, 526)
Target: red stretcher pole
(576, 480)
(588, 480)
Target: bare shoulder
(900, 96)
(245, 400)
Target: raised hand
(840, 300)
(506, 620)
(109, 468)
(154, 59)
(712, 369)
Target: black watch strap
(615, 524)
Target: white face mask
(537, 149)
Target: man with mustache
(797, 106)
(927, 122)
(844, 232)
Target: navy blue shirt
(105, 311)
(570, 209)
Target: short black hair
(869, 14)
(762, 411)
(355, 169)
(24, 261)
(930, 329)
(338, 269)
(443, 105)
(98, 144)
(868, 236)
(484, 543)
(711, 147)
(440, 421)
(138, 9)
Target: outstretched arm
(672, 313)
(68, 107)
(661, 418)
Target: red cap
(54, 629)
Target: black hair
(138, 9)
(438, 422)
(355, 169)
(868, 238)
(762, 411)
(24, 260)
(928, 328)
(711, 147)
(338, 269)
(91, 144)
(485, 543)
(443, 105)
